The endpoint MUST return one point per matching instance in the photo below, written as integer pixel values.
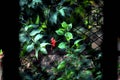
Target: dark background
(109, 47)
(9, 40)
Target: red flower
(53, 42)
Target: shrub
(61, 26)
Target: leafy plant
(61, 26)
(1, 52)
(31, 37)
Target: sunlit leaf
(44, 25)
(60, 31)
(62, 12)
(22, 37)
(68, 36)
(61, 65)
(34, 32)
(62, 45)
(37, 20)
(43, 50)
(37, 1)
(69, 27)
(1, 52)
(60, 78)
(28, 27)
(30, 47)
(64, 24)
(53, 18)
(36, 53)
(70, 74)
(89, 27)
(77, 42)
(42, 45)
(37, 37)
(86, 22)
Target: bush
(60, 27)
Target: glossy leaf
(1, 52)
(53, 18)
(44, 25)
(34, 32)
(68, 36)
(77, 42)
(22, 37)
(69, 27)
(37, 37)
(60, 31)
(37, 20)
(28, 27)
(30, 47)
(36, 53)
(43, 50)
(42, 45)
(64, 25)
(61, 65)
(62, 45)
(61, 11)
(60, 78)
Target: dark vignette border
(10, 43)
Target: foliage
(1, 52)
(52, 26)
(31, 36)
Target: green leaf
(82, 48)
(37, 20)
(53, 18)
(86, 75)
(43, 45)
(37, 1)
(36, 53)
(44, 25)
(60, 78)
(70, 55)
(1, 52)
(28, 27)
(64, 25)
(69, 27)
(61, 11)
(43, 50)
(70, 74)
(61, 65)
(68, 36)
(88, 72)
(30, 47)
(60, 31)
(37, 37)
(80, 10)
(77, 50)
(34, 32)
(86, 22)
(22, 37)
(77, 41)
(62, 45)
